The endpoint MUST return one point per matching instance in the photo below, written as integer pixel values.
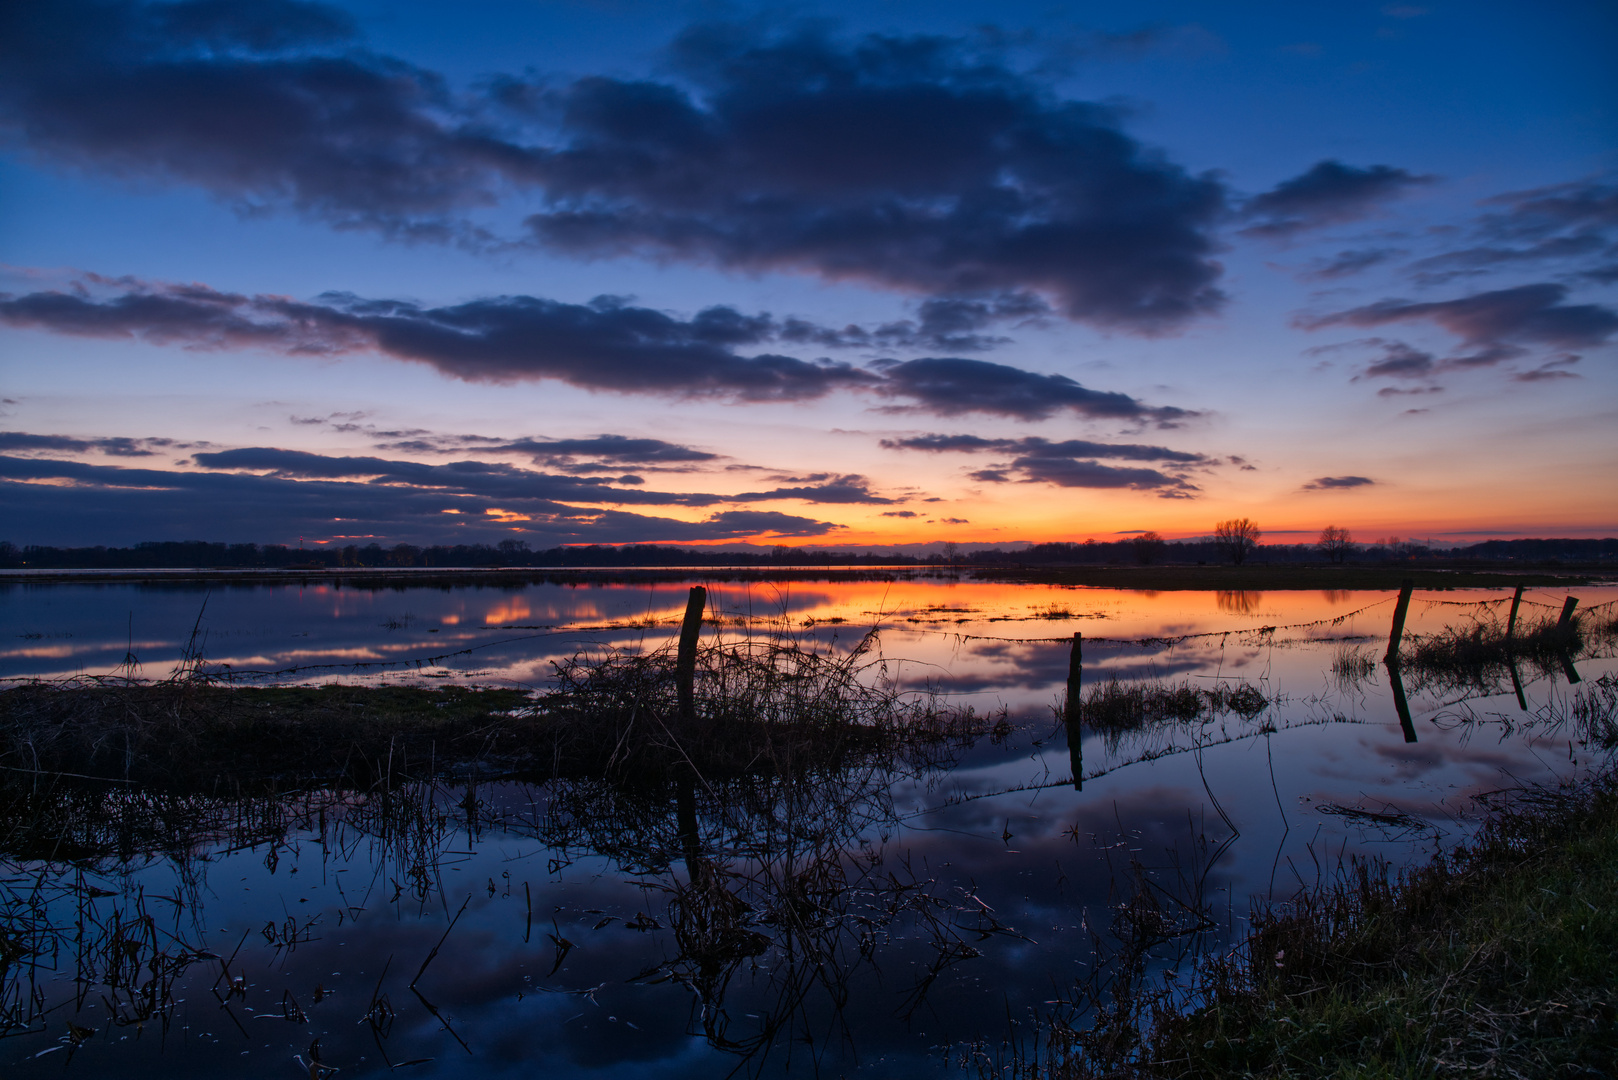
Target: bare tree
(1148, 547)
(1237, 538)
(1335, 543)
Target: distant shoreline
(1254, 578)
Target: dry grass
(1118, 706)
(761, 705)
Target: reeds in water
(1116, 706)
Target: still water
(891, 919)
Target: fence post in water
(1075, 675)
(685, 662)
(1511, 621)
(1399, 702)
(1567, 612)
(1399, 613)
(1516, 683)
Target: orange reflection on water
(512, 610)
(1239, 601)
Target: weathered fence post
(1516, 683)
(1569, 670)
(1511, 621)
(685, 661)
(1399, 702)
(1399, 613)
(1071, 714)
(1567, 612)
(1564, 630)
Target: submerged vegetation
(759, 705)
(1486, 652)
(1117, 706)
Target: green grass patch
(1499, 958)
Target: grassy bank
(1497, 959)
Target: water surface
(883, 918)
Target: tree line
(1236, 541)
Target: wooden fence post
(1511, 621)
(685, 662)
(1074, 707)
(1567, 612)
(1516, 683)
(1399, 702)
(1399, 613)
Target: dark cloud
(900, 513)
(942, 323)
(117, 447)
(1498, 323)
(1334, 483)
(903, 161)
(1401, 361)
(912, 162)
(468, 477)
(268, 103)
(1073, 448)
(950, 386)
(1541, 374)
(604, 345)
(104, 504)
(1330, 193)
(563, 453)
(1348, 263)
(843, 489)
(495, 480)
(1067, 463)
(1068, 472)
(1575, 223)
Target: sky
(831, 275)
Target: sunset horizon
(847, 278)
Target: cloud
(1574, 223)
(1401, 361)
(1067, 463)
(605, 345)
(1347, 263)
(265, 104)
(1499, 322)
(1074, 448)
(1336, 483)
(466, 477)
(608, 449)
(950, 386)
(943, 323)
(904, 161)
(105, 504)
(1068, 472)
(900, 513)
(1330, 193)
(843, 489)
(117, 447)
(916, 163)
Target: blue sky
(1146, 268)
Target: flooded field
(914, 908)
